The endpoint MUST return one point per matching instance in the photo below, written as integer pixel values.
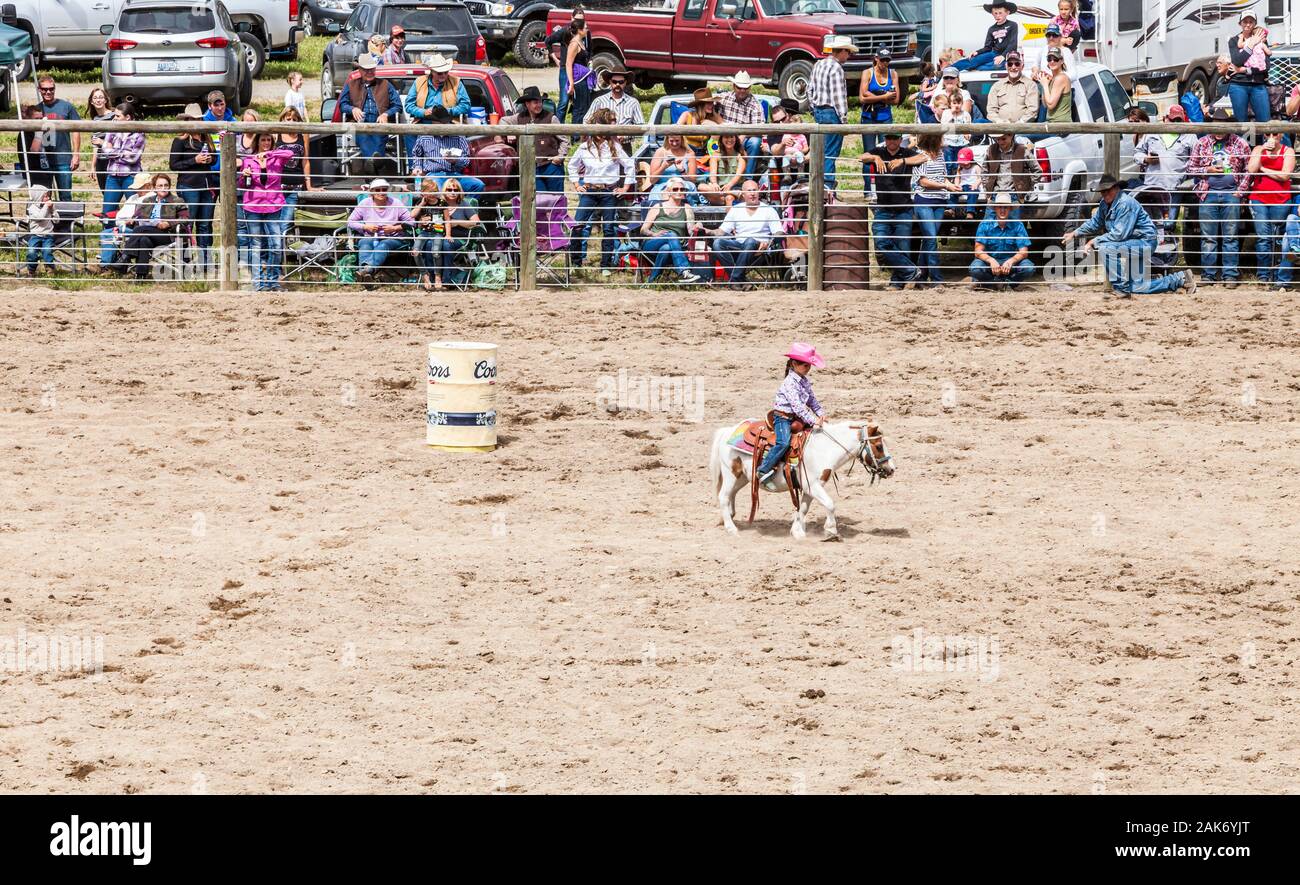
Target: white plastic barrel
(462, 406)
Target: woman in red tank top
(1271, 165)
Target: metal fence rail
(540, 231)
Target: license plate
(176, 66)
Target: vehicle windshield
(800, 7)
(424, 21)
(166, 20)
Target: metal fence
(460, 214)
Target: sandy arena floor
(295, 594)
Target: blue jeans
(1271, 263)
(40, 246)
(201, 205)
(735, 256)
(372, 252)
(892, 229)
(437, 255)
(286, 214)
(116, 189)
(981, 61)
(468, 183)
(107, 245)
(929, 214)
(62, 183)
(243, 239)
(580, 102)
(371, 145)
(664, 248)
(550, 178)
(981, 273)
(1249, 96)
(594, 206)
(562, 104)
(754, 150)
(1220, 212)
(1127, 265)
(264, 249)
(778, 448)
(833, 143)
(950, 156)
(971, 199)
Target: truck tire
(1199, 85)
(245, 98)
(533, 31)
(306, 22)
(604, 61)
(326, 79)
(255, 53)
(794, 79)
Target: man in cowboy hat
(703, 110)
(627, 110)
(1002, 37)
(1124, 235)
(551, 149)
(368, 99)
(828, 93)
(1001, 247)
(433, 88)
(741, 107)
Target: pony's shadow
(848, 528)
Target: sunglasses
(617, 82)
(1014, 64)
(46, 88)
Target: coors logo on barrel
(483, 369)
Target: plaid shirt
(626, 111)
(1200, 164)
(828, 88)
(736, 111)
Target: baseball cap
(951, 72)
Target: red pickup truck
(776, 40)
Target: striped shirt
(736, 111)
(828, 88)
(427, 158)
(935, 170)
(627, 110)
(795, 396)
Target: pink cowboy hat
(805, 353)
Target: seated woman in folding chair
(444, 231)
(383, 226)
(444, 157)
(668, 227)
(153, 224)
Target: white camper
(1181, 37)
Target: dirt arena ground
(294, 594)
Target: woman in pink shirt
(383, 225)
(262, 198)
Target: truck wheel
(602, 62)
(245, 94)
(326, 80)
(533, 31)
(254, 53)
(794, 79)
(1199, 85)
(307, 23)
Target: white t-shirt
(1036, 59)
(763, 224)
(296, 101)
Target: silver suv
(169, 52)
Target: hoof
(732, 530)
(832, 538)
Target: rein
(876, 465)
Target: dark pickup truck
(776, 40)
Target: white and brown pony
(827, 450)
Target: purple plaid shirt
(795, 395)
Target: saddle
(761, 436)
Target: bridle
(866, 454)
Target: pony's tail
(715, 464)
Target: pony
(828, 449)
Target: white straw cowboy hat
(367, 62)
(742, 80)
(438, 63)
(380, 183)
(833, 42)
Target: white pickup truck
(68, 31)
(1070, 165)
